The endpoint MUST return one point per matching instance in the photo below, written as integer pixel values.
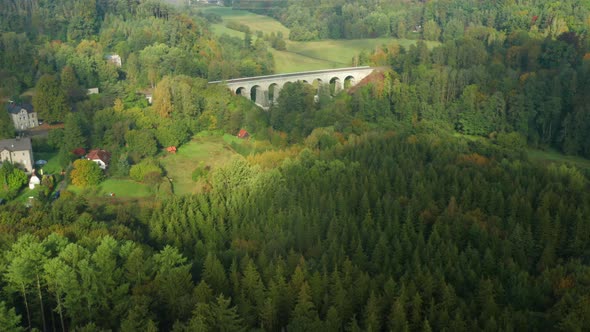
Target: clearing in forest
(200, 152)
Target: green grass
(342, 51)
(220, 29)
(123, 188)
(202, 150)
(52, 166)
(288, 62)
(255, 22)
(25, 193)
(301, 56)
(552, 156)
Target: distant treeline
(430, 20)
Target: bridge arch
(335, 85)
(273, 93)
(259, 95)
(349, 81)
(317, 83)
(242, 91)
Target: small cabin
(243, 134)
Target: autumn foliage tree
(86, 173)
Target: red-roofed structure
(171, 149)
(101, 157)
(243, 134)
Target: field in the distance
(301, 56)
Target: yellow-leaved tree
(85, 173)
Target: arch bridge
(264, 90)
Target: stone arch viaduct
(264, 90)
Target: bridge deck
(322, 71)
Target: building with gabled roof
(18, 151)
(243, 133)
(99, 156)
(23, 117)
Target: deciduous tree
(86, 173)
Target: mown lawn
(124, 188)
(301, 56)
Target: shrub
(200, 172)
(146, 170)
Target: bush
(200, 172)
(511, 140)
(237, 26)
(11, 180)
(146, 170)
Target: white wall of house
(24, 120)
(100, 163)
(23, 158)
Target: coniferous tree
(49, 100)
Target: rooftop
(16, 144)
(14, 108)
(97, 154)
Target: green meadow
(201, 151)
(301, 56)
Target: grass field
(551, 156)
(212, 151)
(254, 21)
(301, 56)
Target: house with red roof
(243, 134)
(99, 156)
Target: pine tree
(9, 320)
(214, 274)
(6, 125)
(225, 318)
(304, 316)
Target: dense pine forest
(409, 202)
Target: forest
(409, 202)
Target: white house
(23, 116)
(101, 157)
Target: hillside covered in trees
(406, 203)
(387, 231)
